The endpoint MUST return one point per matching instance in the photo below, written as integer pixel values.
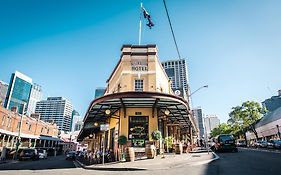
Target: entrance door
(138, 130)
(111, 142)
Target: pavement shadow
(50, 163)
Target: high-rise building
(76, 120)
(273, 103)
(3, 91)
(56, 109)
(211, 122)
(177, 73)
(197, 113)
(35, 96)
(99, 92)
(18, 92)
(78, 125)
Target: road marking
(77, 165)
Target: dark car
(225, 142)
(29, 154)
(71, 155)
(277, 144)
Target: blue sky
(70, 47)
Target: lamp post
(189, 96)
(19, 131)
(206, 86)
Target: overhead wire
(171, 27)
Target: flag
(148, 17)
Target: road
(245, 162)
(50, 163)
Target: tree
(245, 117)
(221, 129)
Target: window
(18, 125)
(9, 122)
(29, 128)
(139, 85)
(3, 120)
(42, 129)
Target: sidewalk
(171, 160)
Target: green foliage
(244, 117)
(156, 135)
(221, 129)
(122, 140)
(169, 141)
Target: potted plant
(122, 140)
(168, 141)
(156, 136)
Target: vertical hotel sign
(139, 65)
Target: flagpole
(140, 27)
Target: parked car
(42, 154)
(241, 143)
(29, 154)
(277, 144)
(71, 155)
(271, 143)
(261, 144)
(225, 142)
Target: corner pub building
(138, 100)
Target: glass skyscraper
(177, 73)
(99, 92)
(18, 92)
(35, 96)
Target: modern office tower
(211, 122)
(35, 96)
(76, 118)
(273, 103)
(56, 109)
(99, 92)
(197, 113)
(78, 125)
(3, 91)
(177, 73)
(18, 92)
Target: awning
(2, 131)
(22, 135)
(49, 138)
(29, 136)
(178, 108)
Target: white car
(42, 154)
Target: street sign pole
(104, 128)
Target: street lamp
(19, 131)
(189, 96)
(206, 86)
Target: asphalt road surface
(245, 162)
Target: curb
(108, 169)
(216, 157)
